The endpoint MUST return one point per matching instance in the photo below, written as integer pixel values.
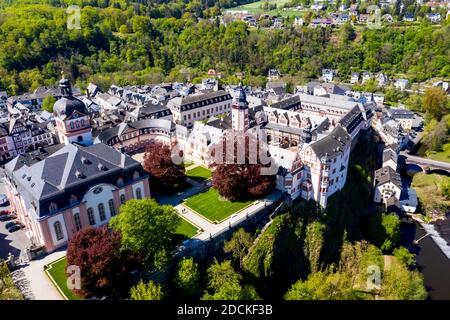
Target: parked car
(7, 217)
(10, 224)
(3, 199)
(4, 212)
(15, 227)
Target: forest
(126, 42)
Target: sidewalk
(34, 283)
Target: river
(431, 261)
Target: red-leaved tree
(103, 267)
(158, 162)
(238, 181)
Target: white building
(197, 107)
(388, 185)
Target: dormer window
(120, 182)
(73, 199)
(52, 207)
(136, 175)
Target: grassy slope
(428, 191)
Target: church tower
(71, 117)
(239, 110)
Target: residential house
(388, 184)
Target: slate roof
(162, 124)
(400, 114)
(333, 144)
(198, 100)
(387, 174)
(388, 154)
(292, 103)
(352, 119)
(68, 168)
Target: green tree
(48, 103)
(147, 229)
(224, 284)
(405, 257)
(8, 290)
(187, 277)
(435, 102)
(391, 225)
(238, 245)
(146, 291)
(400, 284)
(322, 286)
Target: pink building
(60, 190)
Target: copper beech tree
(158, 162)
(240, 177)
(104, 268)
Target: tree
(187, 277)
(104, 268)
(399, 283)
(391, 225)
(8, 290)
(48, 103)
(224, 284)
(322, 286)
(147, 230)
(435, 134)
(158, 162)
(238, 178)
(435, 102)
(384, 231)
(146, 291)
(405, 257)
(239, 244)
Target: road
(425, 162)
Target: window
(80, 138)
(71, 125)
(112, 207)
(138, 194)
(76, 219)
(58, 230)
(122, 199)
(101, 211)
(91, 216)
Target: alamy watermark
(73, 17)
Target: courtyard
(211, 206)
(199, 174)
(57, 274)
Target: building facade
(60, 190)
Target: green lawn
(187, 164)
(57, 271)
(186, 229)
(212, 208)
(199, 174)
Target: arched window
(82, 122)
(101, 211)
(112, 207)
(138, 194)
(122, 199)
(58, 230)
(80, 138)
(77, 124)
(91, 216)
(76, 219)
(72, 126)
(120, 182)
